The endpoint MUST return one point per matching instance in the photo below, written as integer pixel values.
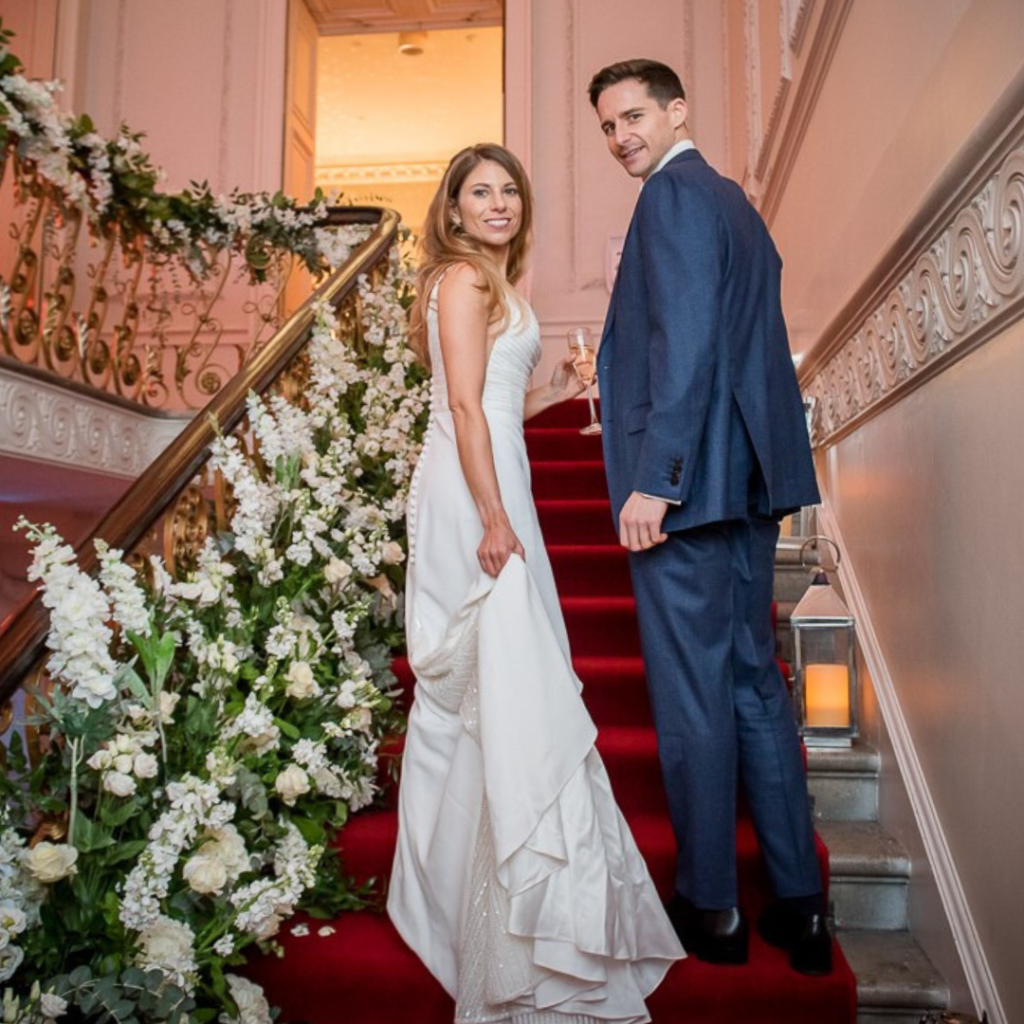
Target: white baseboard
(965, 934)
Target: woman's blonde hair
(444, 242)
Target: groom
(706, 448)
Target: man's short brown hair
(662, 82)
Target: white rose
(146, 766)
(12, 919)
(119, 783)
(227, 846)
(205, 874)
(168, 944)
(124, 764)
(392, 553)
(337, 572)
(361, 718)
(302, 623)
(100, 761)
(52, 1005)
(50, 862)
(10, 961)
(168, 702)
(253, 1007)
(301, 683)
(292, 783)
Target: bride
(516, 879)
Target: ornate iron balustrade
(107, 307)
(176, 502)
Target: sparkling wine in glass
(584, 359)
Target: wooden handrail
(159, 485)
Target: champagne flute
(584, 361)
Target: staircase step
(576, 521)
(870, 874)
(614, 690)
(366, 969)
(574, 413)
(561, 444)
(896, 982)
(602, 626)
(631, 756)
(844, 782)
(568, 480)
(590, 569)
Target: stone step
(869, 875)
(896, 982)
(844, 782)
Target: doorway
(390, 96)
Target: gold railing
(105, 307)
(172, 505)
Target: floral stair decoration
(198, 737)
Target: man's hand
(640, 522)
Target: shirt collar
(680, 147)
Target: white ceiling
(336, 17)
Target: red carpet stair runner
(363, 974)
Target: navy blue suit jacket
(699, 399)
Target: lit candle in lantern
(827, 693)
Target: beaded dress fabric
(516, 879)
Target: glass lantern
(825, 686)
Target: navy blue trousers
(721, 708)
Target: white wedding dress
(516, 879)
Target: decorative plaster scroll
(46, 422)
(380, 174)
(966, 284)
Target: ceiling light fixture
(412, 44)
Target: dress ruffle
(557, 919)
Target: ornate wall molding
(964, 284)
(755, 131)
(48, 422)
(380, 174)
(572, 46)
(789, 119)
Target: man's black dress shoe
(805, 935)
(714, 936)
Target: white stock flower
(50, 862)
(194, 806)
(127, 598)
(256, 721)
(292, 783)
